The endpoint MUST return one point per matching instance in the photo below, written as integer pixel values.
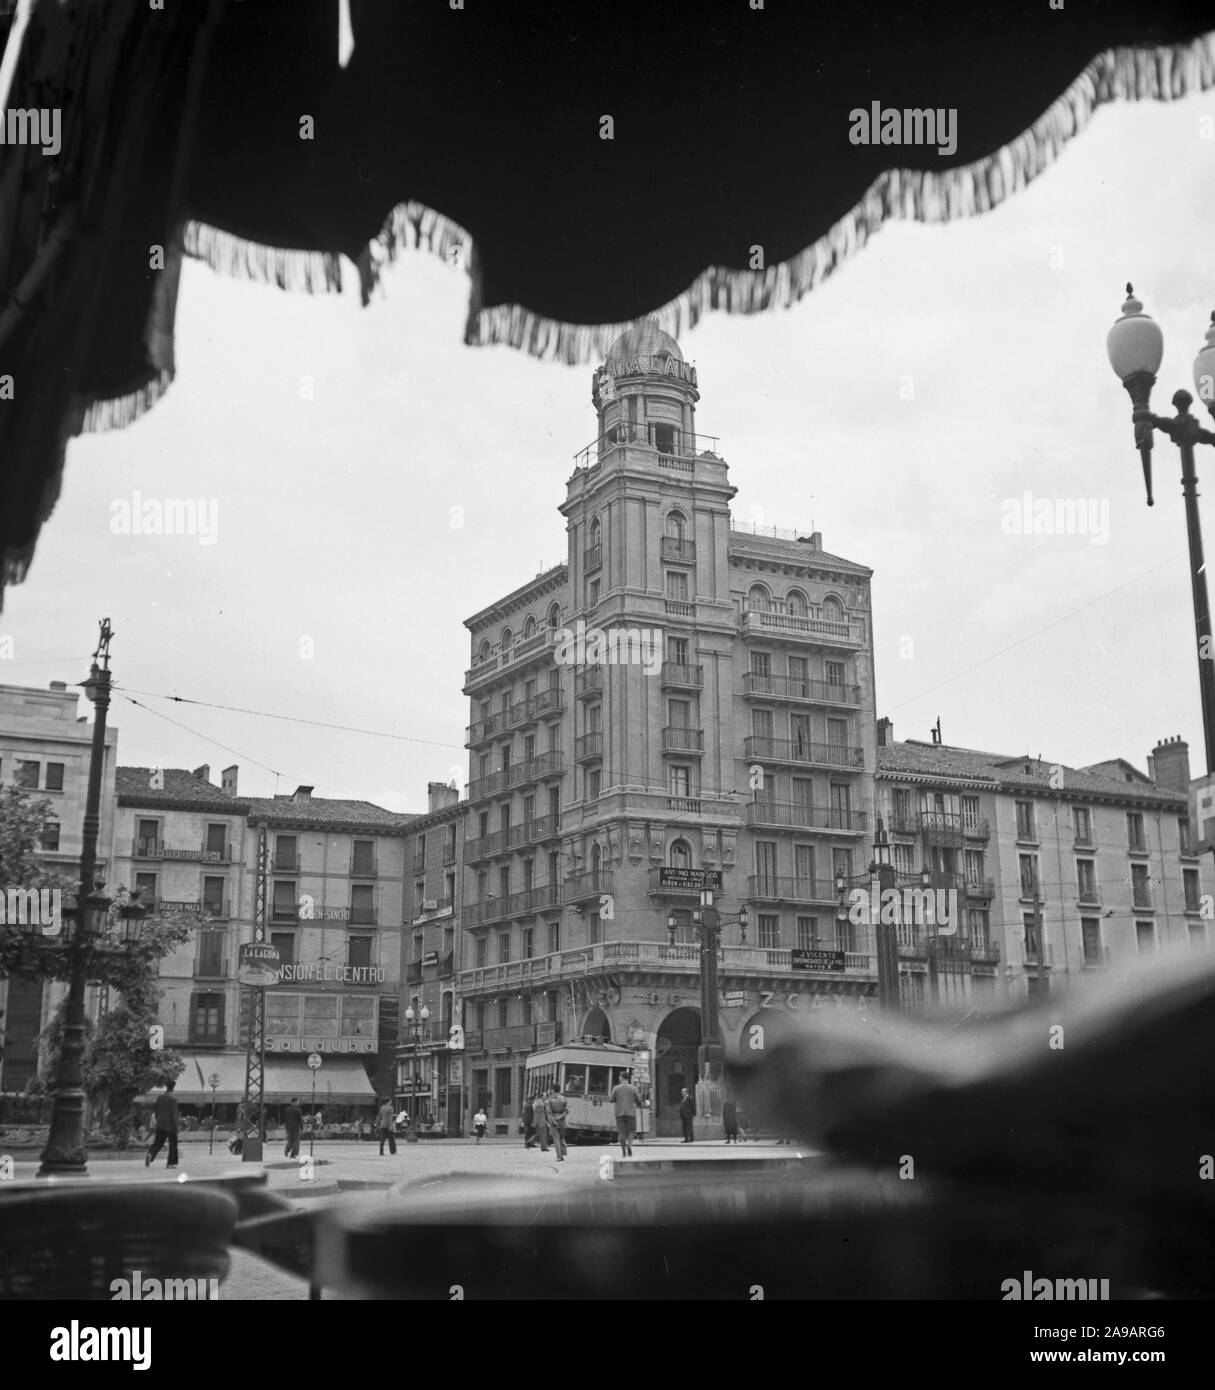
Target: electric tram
(586, 1072)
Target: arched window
(554, 616)
(483, 650)
(833, 609)
(795, 603)
(595, 531)
(757, 598)
(507, 639)
(529, 627)
(680, 854)
(676, 525)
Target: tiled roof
(181, 788)
(925, 761)
(326, 811)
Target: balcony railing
(592, 558)
(361, 867)
(545, 702)
(536, 899)
(764, 622)
(449, 852)
(1088, 896)
(941, 827)
(587, 746)
(984, 952)
(285, 863)
(801, 816)
(211, 968)
(142, 848)
(413, 972)
(677, 738)
(680, 452)
(976, 827)
(676, 674)
(769, 888)
(680, 608)
(526, 649)
(813, 692)
(682, 552)
(515, 1037)
(544, 765)
(783, 750)
(982, 888)
(584, 886)
(588, 682)
(904, 823)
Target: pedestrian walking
(480, 1123)
(555, 1107)
(293, 1119)
(540, 1118)
(166, 1127)
(387, 1123)
(729, 1121)
(529, 1122)
(626, 1102)
(687, 1108)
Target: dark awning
(475, 134)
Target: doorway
(675, 1068)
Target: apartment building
(430, 1071)
(335, 900)
(45, 747)
(1060, 871)
(684, 702)
(180, 842)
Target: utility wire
(295, 719)
(205, 737)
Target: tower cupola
(645, 392)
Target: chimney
(439, 796)
(202, 773)
(303, 795)
(227, 779)
(1169, 763)
(936, 730)
(61, 686)
(885, 733)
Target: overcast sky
(335, 514)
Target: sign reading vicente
(818, 960)
(691, 879)
(259, 965)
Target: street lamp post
(213, 1082)
(64, 1155)
(1135, 346)
(710, 1055)
(415, 1022)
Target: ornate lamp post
(1135, 346)
(414, 1021)
(64, 1155)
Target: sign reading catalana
(660, 364)
(330, 970)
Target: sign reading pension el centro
(259, 965)
(691, 879)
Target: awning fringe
(312, 272)
(1123, 74)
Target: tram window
(575, 1079)
(599, 1081)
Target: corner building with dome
(684, 694)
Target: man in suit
(687, 1108)
(166, 1127)
(293, 1119)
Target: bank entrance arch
(674, 1067)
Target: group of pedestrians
(544, 1118)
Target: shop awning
(193, 1085)
(339, 1081)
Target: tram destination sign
(818, 960)
(691, 879)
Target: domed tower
(645, 392)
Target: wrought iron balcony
(804, 752)
(984, 952)
(584, 886)
(983, 889)
(941, 828)
(769, 888)
(588, 746)
(678, 450)
(681, 677)
(802, 816)
(676, 738)
(449, 852)
(678, 550)
(976, 827)
(800, 689)
(592, 558)
(588, 682)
